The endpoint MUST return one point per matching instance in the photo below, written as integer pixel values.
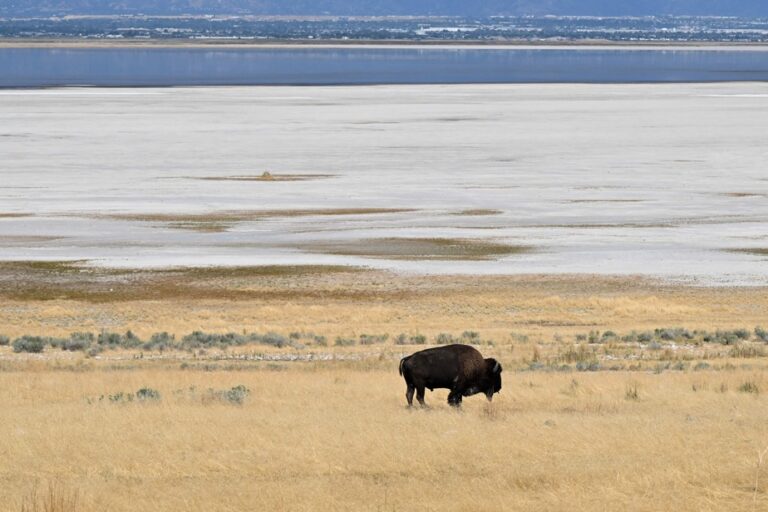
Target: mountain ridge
(741, 8)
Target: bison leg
(409, 395)
(454, 398)
(420, 396)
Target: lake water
(48, 67)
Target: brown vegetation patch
(419, 248)
(14, 215)
(479, 212)
(73, 280)
(221, 221)
(268, 176)
(741, 194)
(755, 251)
(27, 239)
(577, 201)
(638, 225)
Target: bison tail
(402, 362)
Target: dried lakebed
(658, 180)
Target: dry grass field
(607, 425)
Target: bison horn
(496, 367)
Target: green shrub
(235, 395)
(271, 338)
(725, 338)
(31, 344)
(749, 387)
(344, 342)
(199, 339)
(645, 337)
(742, 334)
(94, 350)
(160, 341)
(130, 340)
(110, 339)
(78, 341)
(761, 334)
(588, 366)
(113, 340)
(120, 397)
(404, 339)
(446, 339)
(673, 334)
(372, 339)
(147, 394)
(4, 341)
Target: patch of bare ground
(418, 248)
(221, 221)
(14, 215)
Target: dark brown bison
(460, 368)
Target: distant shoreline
(378, 44)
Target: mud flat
(664, 181)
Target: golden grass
(55, 498)
(58, 298)
(331, 438)
(336, 435)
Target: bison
(460, 368)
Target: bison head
(493, 369)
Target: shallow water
(46, 67)
(654, 180)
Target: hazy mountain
(746, 8)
